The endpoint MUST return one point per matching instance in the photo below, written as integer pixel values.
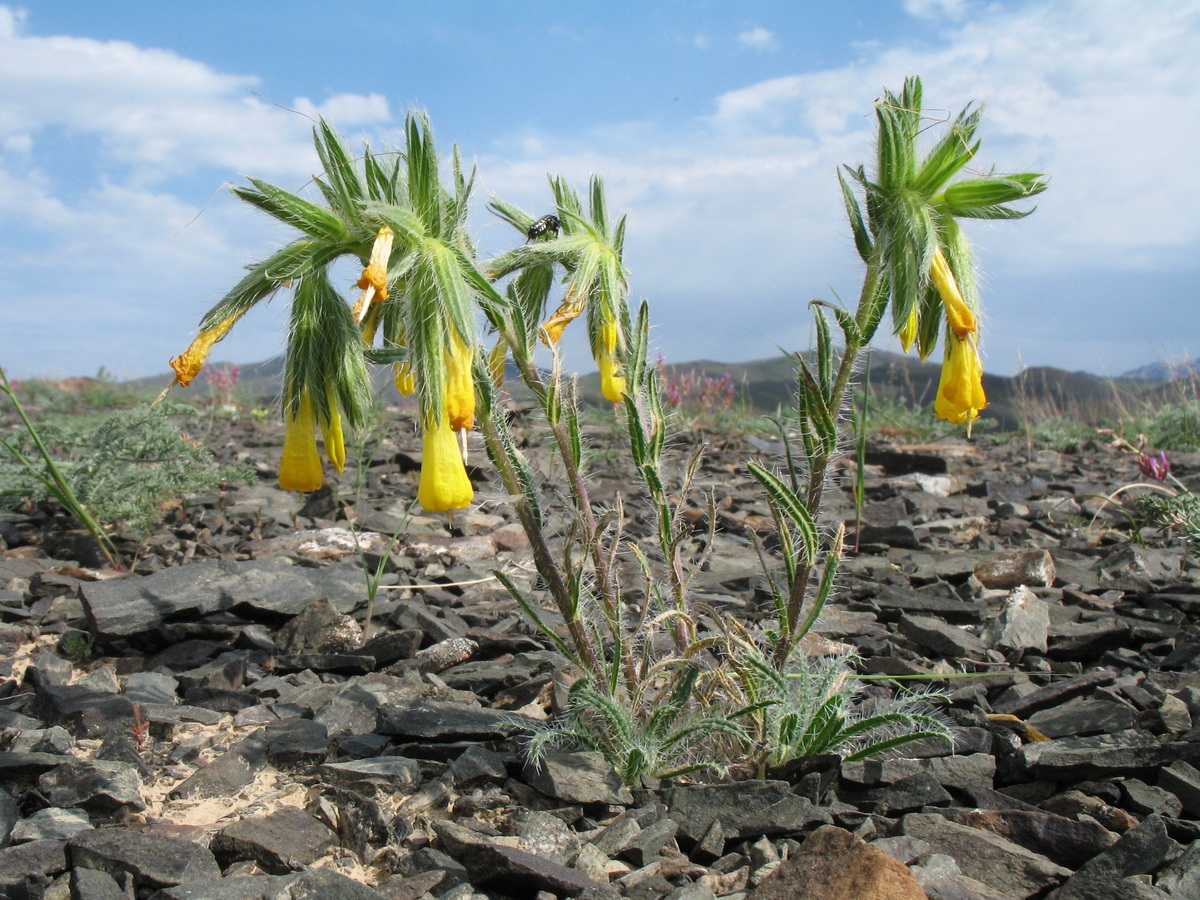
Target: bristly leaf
(798, 515)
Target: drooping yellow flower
(959, 316)
(335, 441)
(444, 483)
(460, 384)
(496, 360)
(188, 364)
(300, 466)
(402, 374)
(960, 395)
(611, 384)
(908, 333)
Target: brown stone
(833, 864)
(1032, 568)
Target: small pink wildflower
(1155, 466)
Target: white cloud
(156, 111)
(758, 38)
(936, 9)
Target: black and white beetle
(544, 225)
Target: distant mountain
(1165, 371)
(767, 385)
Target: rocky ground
(212, 726)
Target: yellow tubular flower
(402, 374)
(496, 360)
(460, 385)
(960, 394)
(958, 315)
(611, 384)
(444, 483)
(188, 364)
(300, 466)
(335, 442)
(908, 333)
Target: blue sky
(718, 127)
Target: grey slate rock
(51, 824)
(440, 721)
(9, 817)
(127, 606)
(151, 687)
(519, 873)
(1021, 624)
(233, 887)
(396, 771)
(987, 857)
(92, 884)
(476, 764)
(228, 773)
(98, 786)
(24, 767)
(154, 860)
(1182, 780)
(322, 884)
(287, 840)
(84, 712)
(1140, 851)
(946, 640)
(297, 742)
(579, 777)
(1084, 717)
(1180, 878)
(1068, 842)
(745, 809)
(1100, 756)
(1055, 693)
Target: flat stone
(440, 721)
(394, 770)
(51, 824)
(1099, 756)
(580, 777)
(942, 638)
(1055, 693)
(153, 860)
(957, 772)
(228, 773)
(986, 857)
(322, 884)
(126, 606)
(1064, 841)
(518, 873)
(745, 809)
(233, 887)
(95, 885)
(287, 840)
(297, 742)
(1183, 780)
(100, 786)
(1084, 717)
